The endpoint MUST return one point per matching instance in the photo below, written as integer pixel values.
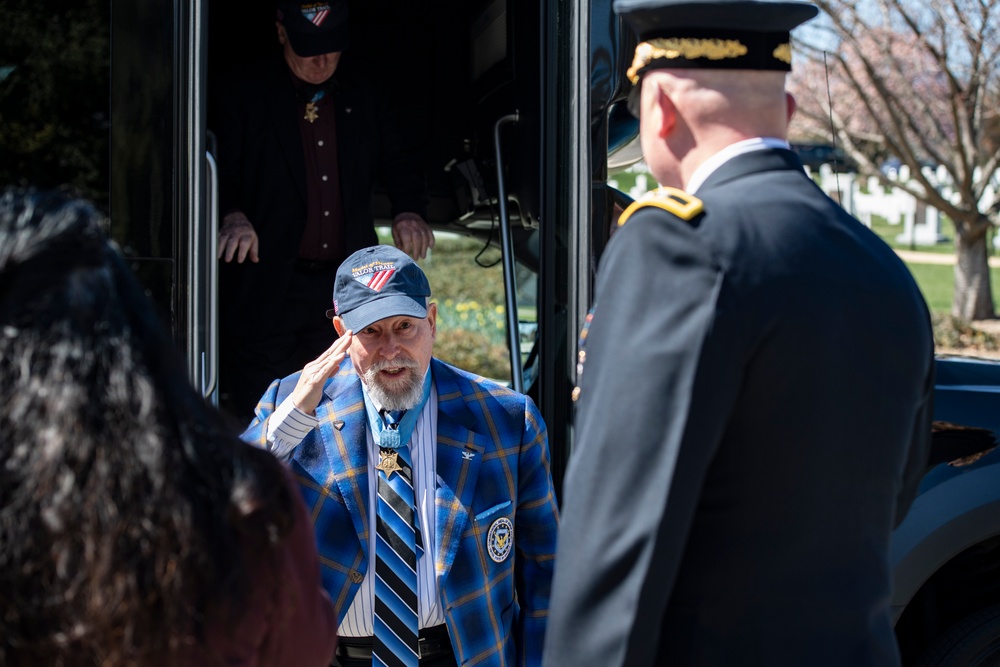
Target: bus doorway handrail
(507, 256)
(210, 375)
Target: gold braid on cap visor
(693, 49)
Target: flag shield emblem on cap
(379, 282)
(374, 277)
(316, 13)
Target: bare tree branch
(917, 81)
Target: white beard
(402, 397)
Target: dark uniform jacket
(262, 173)
(753, 421)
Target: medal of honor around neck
(388, 461)
(312, 108)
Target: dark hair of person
(126, 504)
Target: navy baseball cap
(376, 283)
(315, 28)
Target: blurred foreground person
(134, 528)
(754, 408)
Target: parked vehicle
(522, 104)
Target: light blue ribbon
(400, 437)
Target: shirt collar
(409, 420)
(709, 166)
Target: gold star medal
(311, 114)
(388, 461)
(312, 106)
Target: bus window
(467, 282)
(467, 285)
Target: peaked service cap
(712, 34)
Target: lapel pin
(468, 456)
(339, 424)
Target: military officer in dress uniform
(753, 414)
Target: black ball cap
(315, 28)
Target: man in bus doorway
(300, 140)
(754, 406)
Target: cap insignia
(374, 275)
(316, 13)
(783, 52)
(687, 48)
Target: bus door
(162, 178)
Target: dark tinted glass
(54, 95)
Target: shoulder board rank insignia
(672, 200)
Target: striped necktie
(396, 540)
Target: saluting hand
(412, 235)
(309, 389)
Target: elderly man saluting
(429, 486)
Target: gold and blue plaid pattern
(492, 465)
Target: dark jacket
(262, 173)
(754, 419)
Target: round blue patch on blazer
(500, 539)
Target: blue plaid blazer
(492, 463)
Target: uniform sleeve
(537, 523)
(920, 447)
(642, 443)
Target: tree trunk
(973, 296)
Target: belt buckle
(357, 648)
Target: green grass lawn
(937, 281)
(888, 233)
